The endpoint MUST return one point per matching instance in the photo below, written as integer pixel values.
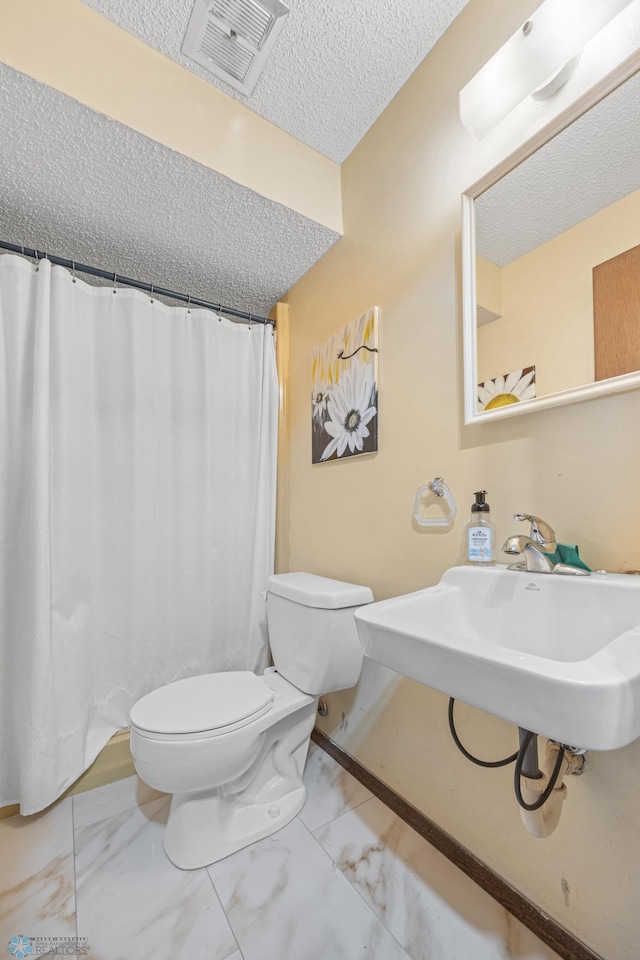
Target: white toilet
(231, 747)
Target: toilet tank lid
(313, 591)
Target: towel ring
(440, 489)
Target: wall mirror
(551, 264)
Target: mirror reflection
(558, 260)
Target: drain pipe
(530, 768)
(540, 793)
(533, 782)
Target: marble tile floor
(345, 880)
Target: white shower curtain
(137, 511)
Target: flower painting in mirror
(344, 393)
(509, 388)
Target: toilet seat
(205, 706)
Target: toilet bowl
(232, 783)
(231, 747)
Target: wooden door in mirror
(616, 315)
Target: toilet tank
(312, 630)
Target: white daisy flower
(502, 391)
(319, 398)
(350, 410)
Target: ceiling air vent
(234, 38)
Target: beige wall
(578, 466)
(546, 301)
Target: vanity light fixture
(539, 57)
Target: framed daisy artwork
(511, 388)
(344, 393)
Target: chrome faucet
(542, 540)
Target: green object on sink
(567, 553)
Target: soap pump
(480, 532)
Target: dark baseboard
(545, 928)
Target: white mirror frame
(628, 381)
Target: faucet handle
(541, 532)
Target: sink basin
(554, 654)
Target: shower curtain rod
(128, 282)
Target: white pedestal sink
(554, 654)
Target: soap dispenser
(480, 532)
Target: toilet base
(205, 827)
(195, 838)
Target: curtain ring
(37, 260)
(114, 281)
(250, 319)
(189, 304)
(73, 271)
(151, 291)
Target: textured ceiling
(589, 166)
(335, 67)
(86, 188)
